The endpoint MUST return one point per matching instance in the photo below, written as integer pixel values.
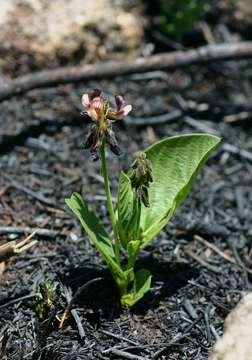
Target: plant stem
(109, 201)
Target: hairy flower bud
(141, 177)
(112, 142)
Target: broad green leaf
(128, 211)
(141, 285)
(125, 206)
(95, 232)
(176, 162)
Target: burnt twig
(126, 355)
(14, 301)
(32, 193)
(74, 298)
(222, 254)
(5, 230)
(202, 262)
(176, 59)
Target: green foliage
(142, 283)
(45, 299)
(182, 157)
(173, 165)
(95, 232)
(125, 206)
(180, 16)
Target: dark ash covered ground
(194, 288)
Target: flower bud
(141, 177)
(112, 142)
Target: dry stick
(74, 298)
(14, 301)
(126, 355)
(177, 338)
(154, 120)
(13, 247)
(176, 59)
(221, 253)
(202, 262)
(5, 230)
(32, 193)
(235, 150)
(78, 323)
(119, 337)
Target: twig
(78, 323)
(221, 253)
(74, 298)
(202, 262)
(27, 230)
(154, 120)
(32, 193)
(74, 313)
(177, 338)
(173, 342)
(235, 150)
(200, 125)
(205, 54)
(14, 247)
(119, 337)
(14, 301)
(243, 115)
(190, 309)
(4, 340)
(126, 355)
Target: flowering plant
(156, 184)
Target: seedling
(149, 193)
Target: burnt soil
(194, 288)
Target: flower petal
(120, 102)
(94, 94)
(126, 109)
(112, 114)
(93, 114)
(85, 100)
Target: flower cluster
(98, 110)
(141, 177)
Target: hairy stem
(109, 201)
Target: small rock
(45, 33)
(236, 343)
(243, 12)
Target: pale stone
(52, 31)
(236, 343)
(244, 11)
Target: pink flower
(121, 109)
(97, 109)
(95, 105)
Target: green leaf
(125, 204)
(176, 161)
(128, 211)
(95, 232)
(141, 285)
